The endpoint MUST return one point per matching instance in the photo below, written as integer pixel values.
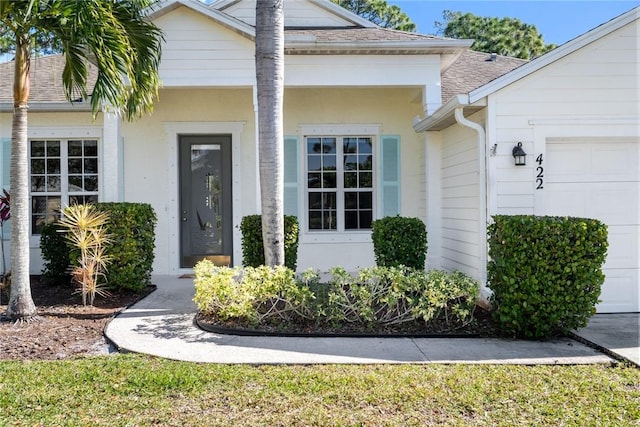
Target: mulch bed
(63, 328)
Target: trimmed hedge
(56, 253)
(372, 299)
(399, 241)
(545, 272)
(131, 230)
(253, 249)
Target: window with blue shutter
(291, 159)
(390, 174)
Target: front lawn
(141, 390)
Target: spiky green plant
(86, 232)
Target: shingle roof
(357, 34)
(46, 80)
(474, 69)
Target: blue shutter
(390, 173)
(5, 162)
(291, 175)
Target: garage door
(601, 179)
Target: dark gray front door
(205, 199)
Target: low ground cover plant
(372, 299)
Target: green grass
(137, 390)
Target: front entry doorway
(206, 226)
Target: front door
(205, 199)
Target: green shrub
(545, 272)
(375, 297)
(131, 231)
(253, 249)
(399, 241)
(56, 253)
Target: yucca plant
(85, 227)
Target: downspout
(485, 292)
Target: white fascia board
(445, 111)
(554, 55)
(418, 46)
(51, 107)
(165, 6)
(344, 13)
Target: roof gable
(298, 13)
(555, 55)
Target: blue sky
(557, 21)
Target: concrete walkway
(162, 325)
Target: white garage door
(601, 179)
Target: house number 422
(540, 173)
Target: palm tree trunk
(270, 88)
(21, 304)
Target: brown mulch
(63, 328)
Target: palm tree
(270, 88)
(124, 46)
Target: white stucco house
(377, 122)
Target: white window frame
(64, 134)
(340, 234)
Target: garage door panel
(624, 247)
(620, 292)
(612, 203)
(601, 179)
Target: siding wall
(297, 13)
(591, 92)
(460, 203)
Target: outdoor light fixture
(519, 154)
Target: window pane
(53, 166)
(91, 148)
(329, 162)
(75, 183)
(91, 183)
(365, 163)
(330, 220)
(90, 165)
(351, 220)
(39, 204)
(37, 183)
(351, 200)
(37, 148)
(365, 200)
(75, 148)
(75, 166)
(364, 145)
(314, 145)
(53, 183)
(53, 148)
(350, 145)
(315, 200)
(365, 219)
(314, 180)
(351, 163)
(351, 180)
(314, 163)
(366, 180)
(37, 166)
(329, 180)
(328, 145)
(329, 200)
(315, 220)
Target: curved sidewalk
(162, 325)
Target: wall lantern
(519, 154)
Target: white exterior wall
(591, 92)
(391, 109)
(296, 14)
(585, 103)
(199, 52)
(460, 214)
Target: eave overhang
(444, 116)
